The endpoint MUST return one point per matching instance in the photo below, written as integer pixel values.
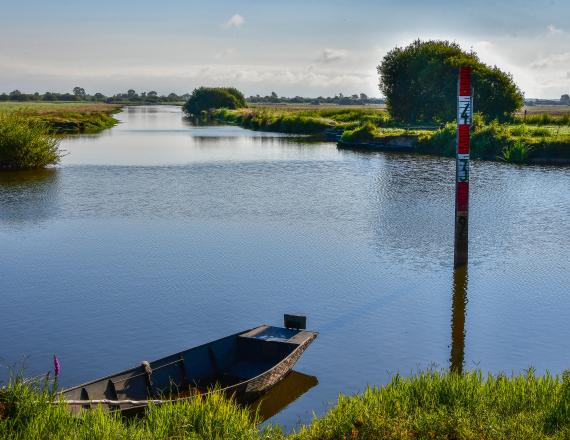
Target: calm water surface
(156, 236)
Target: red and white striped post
(464, 117)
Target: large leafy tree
(419, 82)
(206, 98)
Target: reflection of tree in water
(28, 195)
(458, 308)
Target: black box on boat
(298, 322)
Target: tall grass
(302, 121)
(429, 404)
(26, 142)
(516, 152)
(364, 133)
(452, 406)
(520, 143)
(29, 413)
(544, 119)
(272, 120)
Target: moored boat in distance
(243, 365)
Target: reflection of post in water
(284, 393)
(460, 281)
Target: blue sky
(292, 47)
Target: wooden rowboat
(244, 365)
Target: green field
(67, 117)
(427, 405)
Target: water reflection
(283, 394)
(28, 195)
(458, 308)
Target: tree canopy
(206, 98)
(419, 82)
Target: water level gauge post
(464, 119)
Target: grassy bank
(301, 120)
(66, 118)
(427, 405)
(534, 137)
(516, 142)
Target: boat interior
(221, 363)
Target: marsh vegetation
(537, 137)
(429, 404)
(26, 142)
(68, 117)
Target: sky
(292, 47)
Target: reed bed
(26, 142)
(429, 404)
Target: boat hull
(243, 366)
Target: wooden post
(458, 308)
(464, 117)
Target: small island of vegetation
(204, 99)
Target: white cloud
(331, 55)
(230, 52)
(553, 29)
(552, 60)
(235, 21)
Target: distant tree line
(564, 100)
(79, 94)
(341, 99)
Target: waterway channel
(157, 235)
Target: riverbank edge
(431, 141)
(30, 136)
(428, 404)
(82, 122)
(68, 117)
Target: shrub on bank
(26, 142)
(364, 133)
(419, 82)
(204, 99)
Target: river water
(156, 235)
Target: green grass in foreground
(427, 405)
(26, 142)
(67, 117)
